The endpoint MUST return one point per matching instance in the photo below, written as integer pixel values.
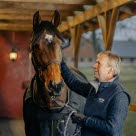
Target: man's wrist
(84, 120)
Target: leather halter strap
(49, 63)
(42, 68)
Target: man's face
(102, 71)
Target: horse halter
(40, 68)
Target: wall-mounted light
(13, 55)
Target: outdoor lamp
(13, 55)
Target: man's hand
(78, 118)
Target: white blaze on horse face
(48, 37)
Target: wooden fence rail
(132, 107)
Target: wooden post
(107, 23)
(75, 35)
(132, 107)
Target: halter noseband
(49, 63)
(40, 68)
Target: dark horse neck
(43, 98)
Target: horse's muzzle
(55, 88)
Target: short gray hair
(114, 61)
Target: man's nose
(94, 66)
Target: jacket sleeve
(116, 115)
(80, 87)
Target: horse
(48, 103)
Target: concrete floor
(11, 127)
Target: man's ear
(111, 70)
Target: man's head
(107, 66)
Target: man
(105, 110)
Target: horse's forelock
(42, 26)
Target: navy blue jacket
(106, 111)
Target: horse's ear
(36, 21)
(56, 18)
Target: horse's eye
(61, 46)
(36, 46)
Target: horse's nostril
(52, 85)
(56, 88)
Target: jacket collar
(109, 83)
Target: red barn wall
(13, 74)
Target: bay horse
(48, 103)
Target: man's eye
(99, 63)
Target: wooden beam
(107, 24)
(132, 107)
(102, 24)
(31, 12)
(23, 27)
(20, 14)
(75, 35)
(16, 17)
(77, 44)
(125, 15)
(21, 17)
(112, 27)
(63, 27)
(55, 1)
(39, 5)
(93, 12)
(15, 27)
(72, 35)
(93, 26)
(129, 8)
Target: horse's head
(46, 53)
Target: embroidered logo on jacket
(101, 100)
